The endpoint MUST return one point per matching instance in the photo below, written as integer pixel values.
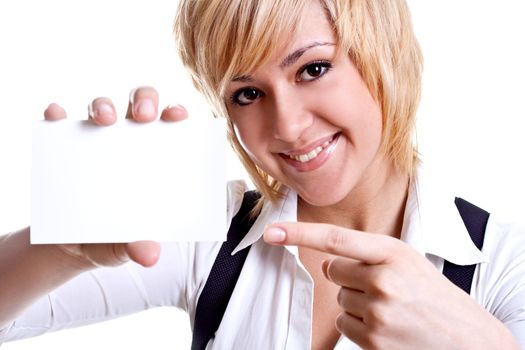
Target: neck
(376, 204)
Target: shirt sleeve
(501, 281)
(106, 293)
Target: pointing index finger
(363, 246)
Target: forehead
(283, 31)
(313, 27)
(313, 23)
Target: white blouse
(271, 306)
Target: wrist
(490, 333)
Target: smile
(303, 158)
(313, 156)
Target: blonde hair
(221, 39)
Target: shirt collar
(433, 225)
(285, 209)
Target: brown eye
(314, 71)
(246, 96)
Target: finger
(354, 329)
(174, 113)
(366, 247)
(353, 302)
(347, 273)
(105, 254)
(102, 111)
(54, 112)
(145, 253)
(143, 104)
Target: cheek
(249, 136)
(374, 125)
(368, 132)
(361, 116)
(357, 112)
(253, 136)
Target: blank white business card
(127, 182)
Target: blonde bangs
(231, 38)
(259, 29)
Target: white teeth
(303, 158)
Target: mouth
(305, 156)
(313, 156)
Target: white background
(470, 122)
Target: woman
(321, 99)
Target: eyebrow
(287, 61)
(243, 79)
(294, 56)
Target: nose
(291, 117)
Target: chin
(323, 197)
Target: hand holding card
(130, 181)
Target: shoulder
(504, 241)
(500, 284)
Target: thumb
(145, 253)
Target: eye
(313, 70)
(245, 96)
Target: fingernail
(275, 235)
(103, 109)
(145, 107)
(324, 267)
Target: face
(307, 118)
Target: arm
(28, 272)
(106, 293)
(501, 281)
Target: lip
(310, 147)
(318, 161)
